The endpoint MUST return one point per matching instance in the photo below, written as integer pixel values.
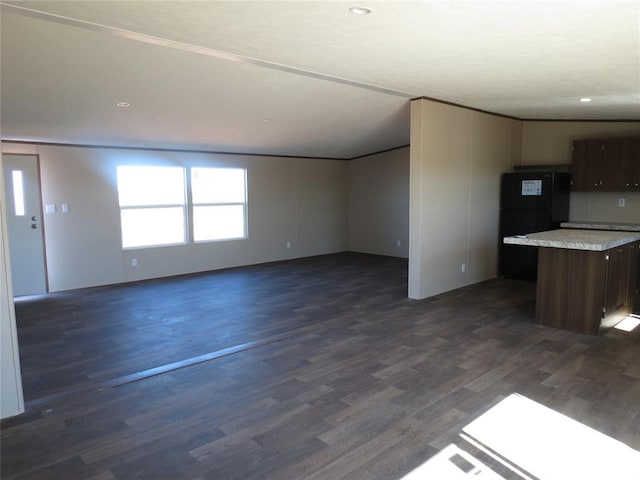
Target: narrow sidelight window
(18, 192)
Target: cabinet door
(586, 164)
(571, 288)
(630, 160)
(632, 286)
(613, 173)
(617, 279)
(638, 271)
(623, 274)
(579, 181)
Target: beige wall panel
(417, 169)
(274, 211)
(491, 156)
(364, 230)
(578, 206)
(549, 143)
(379, 203)
(439, 205)
(299, 200)
(603, 207)
(515, 157)
(457, 158)
(322, 207)
(82, 246)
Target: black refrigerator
(529, 202)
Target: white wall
(302, 201)
(457, 157)
(379, 203)
(549, 143)
(11, 400)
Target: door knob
(34, 226)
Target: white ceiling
(304, 78)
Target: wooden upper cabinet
(630, 163)
(609, 165)
(578, 166)
(586, 165)
(612, 171)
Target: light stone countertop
(597, 240)
(626, 227)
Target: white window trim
(188, 207)
(155, 207)
(192, 205)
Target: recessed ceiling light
(360, 10)
(585, 99)
(123, 104)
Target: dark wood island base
(587, 279)
(580, 290)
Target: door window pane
(18, 192)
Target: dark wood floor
(318, 368)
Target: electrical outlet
(288, 244)
(398, 243)
(621, 202)
(134, 262)
(463, 267)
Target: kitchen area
(585, 269)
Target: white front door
(24, 224)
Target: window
(152, 205)
(154, 210)
(18, 193)
(219, 203)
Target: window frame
(188, 207)
(193, 205)
(159, 206)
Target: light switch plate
(50, 208)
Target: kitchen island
(586, 278)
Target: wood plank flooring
(342, 375)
